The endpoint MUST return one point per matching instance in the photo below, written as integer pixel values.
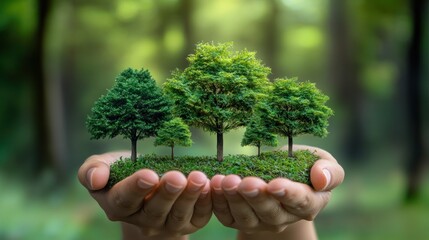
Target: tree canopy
(172, 133)
(134, 107)
(294, 108)
(257, 134)
(219, 88)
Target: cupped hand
(251, 205)
(171, 206)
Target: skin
(149, 207)
(280, 209)
(174, 206)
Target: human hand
(254, 206)
(165, 208)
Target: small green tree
(218, 90)
(294, 108)
(134, 107)
(257, 134)
(172, 133)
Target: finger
(220, 204)
(297, 198)
(325, 175)
(94, 172)
(318, 151)
(266, 207)
(203, 208)
(126, 197)
(157, 207)
(182, 210)
(241, 211)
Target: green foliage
(134, 108)
(269, 166)
(172, 133)
(258, 134)
(219, 88)
(294, 108)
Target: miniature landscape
(219, 91)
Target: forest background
(370, 56)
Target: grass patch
(268, 166)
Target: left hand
(149, 207)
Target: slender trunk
(345, 79)
(259, 150)
(414, 76)
(44, 150)
(290, 146)
(271, 38)
(219, 146)
(134, 149)
(186, 10)
(172, 152)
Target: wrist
(132, 232)
(296, 231)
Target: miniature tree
(257, 134)
(134, 107)
(172, 133)
(218, 90)
(294, 108)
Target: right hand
(253, 206)
(169, 207)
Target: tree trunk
(219, 146)
(271, 39)
(133, 149)
(47, 150)
(414, 141)
(290, 146)
(259, 150)
(186, 10)
(344, 77)
(172, 152)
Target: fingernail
(204, 194)
(89, 175)
(327, 176)
(252, 193)
(231, 190)
(173, 188)
(144, 184)
(194, 187)
(279, 193)
(218, 190)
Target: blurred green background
(370, 56)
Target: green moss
(268, 166)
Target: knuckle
(221, 209)
(245, 220)
(120, 202)
(272, 216)
(178, 217)
(200, 214)
(154, 216)
(305, 203)
(201, 204)
(200, 221)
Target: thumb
(326, 175)
(94, 173)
